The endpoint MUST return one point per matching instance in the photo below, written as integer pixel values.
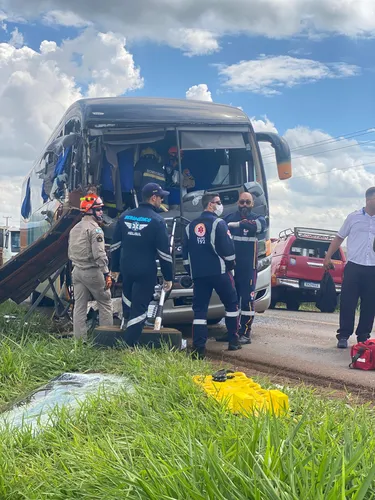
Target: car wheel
(292, 304)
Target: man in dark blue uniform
(140, 237)
(208, 254)
(244, 225)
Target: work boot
(223, 338)
(342, 343)
(234, 347)
(198, 353)
(245, 339)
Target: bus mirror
(282, 152)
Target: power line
(326, 172)
(317, 153)
(330, 141)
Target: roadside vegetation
(167, 440)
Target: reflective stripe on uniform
(154, 176)
(200, 322)
(230, 257)
(136, 320)
(126, 301)
(186, 262)
(165, 256)
(231, 314)
(247, 313)
(115, 246)
(213, 237)
(243, 238)
(259, 226)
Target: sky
(302, 68)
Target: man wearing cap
(140, 237)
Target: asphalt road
(299, 344)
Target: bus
(9, 243)
(97, 144)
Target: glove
(167, 285)
(115, 276)
(108, 281)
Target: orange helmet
(90, 202)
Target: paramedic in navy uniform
(139, 238)
(359, 273)
(244, 225)
(208, 254)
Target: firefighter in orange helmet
(90, 274)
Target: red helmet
(172, 151)
(91, 201)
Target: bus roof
(143, 110)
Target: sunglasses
(245, 202)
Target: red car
(297, 266)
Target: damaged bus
(194, 146)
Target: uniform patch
(200, 230)
(252, 295)
(99, 239)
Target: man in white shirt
(359, 274)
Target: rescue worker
(208, 255)
(90, 272)
(139, 238)
(149, 169)
(244, 225)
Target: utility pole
(7, 218)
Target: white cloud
(268, 75)
(36, 88)
(329, 179)
(148, 19)
(193, 42)
(65, 18)
(16, 39)
(199, 93)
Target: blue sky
(337, 106)
(304, 69)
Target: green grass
(168, 440)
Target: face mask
(219, 210)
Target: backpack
(327, 296)
(363, 355)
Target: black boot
(198, 353)
(245, 338)
(234, 346)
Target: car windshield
(312, 249)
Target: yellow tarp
(242, 395)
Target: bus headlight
(264, 263)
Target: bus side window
(73, 126)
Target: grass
(168, 440)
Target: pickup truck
(297, 266)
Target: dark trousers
(223, 284)
(245, 281)
(137, 293)
(358, 283)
